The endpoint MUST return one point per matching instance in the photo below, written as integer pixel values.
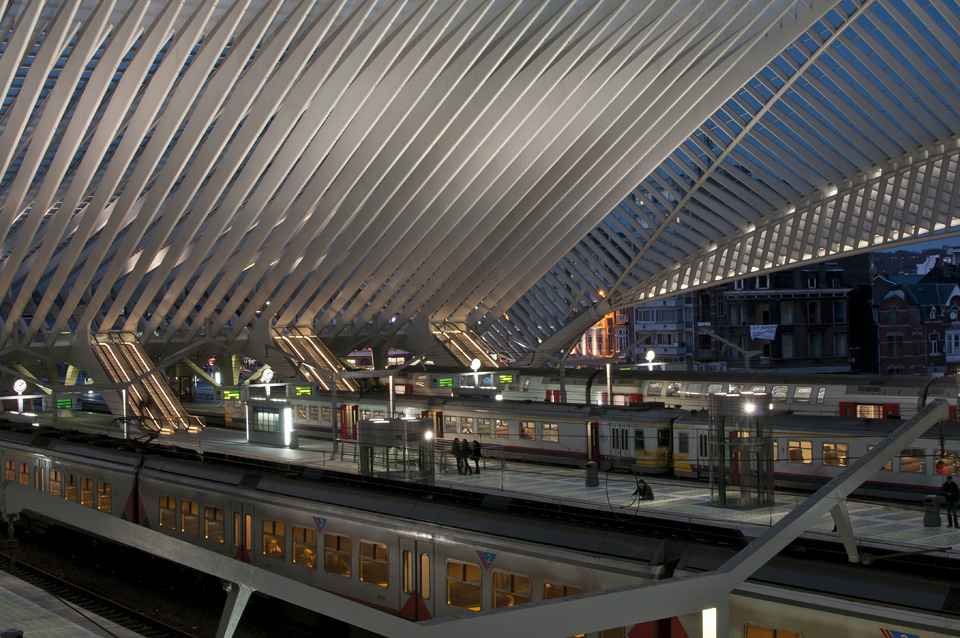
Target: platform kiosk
(398, 449)
(742, 450)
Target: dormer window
(763, 281)
(738, 284)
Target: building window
(813, 312)
(763, 281)
(840, 344)
(336, 554)
(274, 539)
(213, 524)
(738, 284)
(168, 512)
(935, 344)
(305, 547)
(510, 589)
(786, 346)
(374, 568)
(839, 312)
(894, 345)
(463, 585)
(811, 281)
(786, 313)
(815, 343)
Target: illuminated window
(835, 454)
(56, 486)
(104, 502)
(913, 460)
(374, 568)
(409, 576)
(336, 554)
(168, 512)
(551, 591)
(213, 524)
(463, 585)
(484, 427)
(305, 547)
(450, 423)
(800, 451)
(190, 518)
(466, 425)
(11, 470)
(501, 428)
(654, 388)
(70, 488)
(24, 474)
(86, 492)
(510, 589)
(274, 541)
(528, 430)
(946, 462)
(550, 432)
(888, 466)
(301, 412)
(779, 393)
(802, 394)
(314, 413)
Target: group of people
(465, 452)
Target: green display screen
(303, 392)
(445, 383)
(231, 394)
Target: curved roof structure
(367, 169)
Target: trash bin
(11, 633)
(593, 477)
(931, 510)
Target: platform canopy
(369, 169)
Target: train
(851, 395)
(423, 554)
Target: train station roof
(369, 169)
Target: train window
(168, 512)
(378, 414)
(24, 473)
(694, 390)
(314, 413)
(501, 427)
(305, 547)
(365, 414)
(336, 554)
(463, 585)
(510, 589)
(425, 576)
(483, 426)
(821, 394)
(190, 518)
(802, 393)
(835, 454)
(274, 539)
(654, 388)
(638, 440)
(466, 425)
(551, 591)
(56, 487)
(663, 437)
(11, 469)
(702, 449)
(800, 451)
(683, 443)
(407, 569)
(750, 631)
(421, 381)
(301, 412)
(779, 393)
(946, 462)
(213, 524)
(714, 388)
(86, 492)
(673, 388)
(888, 466)
(550, 432)
(526, 384)
(913, 460)
(70, 488)
(758, 389)
(450, 424)
(374, 567)
(623, 436)
(528, 430)
(104, 502)
(736, 388)
(325, 414)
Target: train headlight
(749, 408)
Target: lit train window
(190, 518)
(758, 389)
(835, 454)
(104, 502)
(325, 414)
(510, 589)
(751, 631)
(168, 512)
(528, 430)
(86, 492)
(714, 388)
(821, 394)
(779, 393)
(551, 591)
(654, 388)
(378, 414)
(889, 464)
(314, 413)
(802, 393)
(301, 412)
(274, 539)
(374, 566)
(683, 443)
(213, 524)
(407, 570)
(450, 424)
(466, 425)
(425, 576)
(70, 488)
(501, 427)
(11, 470)
(694, 390)
(869, 411)
(365, 414)
(305, 547)
(736, 388)
(946, 462)
(673, 388)
(483, 426)
(551, 432)
(800, 451)
(463, 585)
(336, 554)
(913, 460)
(56, 487)
(24, 474)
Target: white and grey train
(421, 559)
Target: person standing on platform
(951, 494)
(475, 454)
(465, 453)
(458, 452)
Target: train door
(593, 441)
(417, 590)
(437, 417)
(349, 415)
(243, 532)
